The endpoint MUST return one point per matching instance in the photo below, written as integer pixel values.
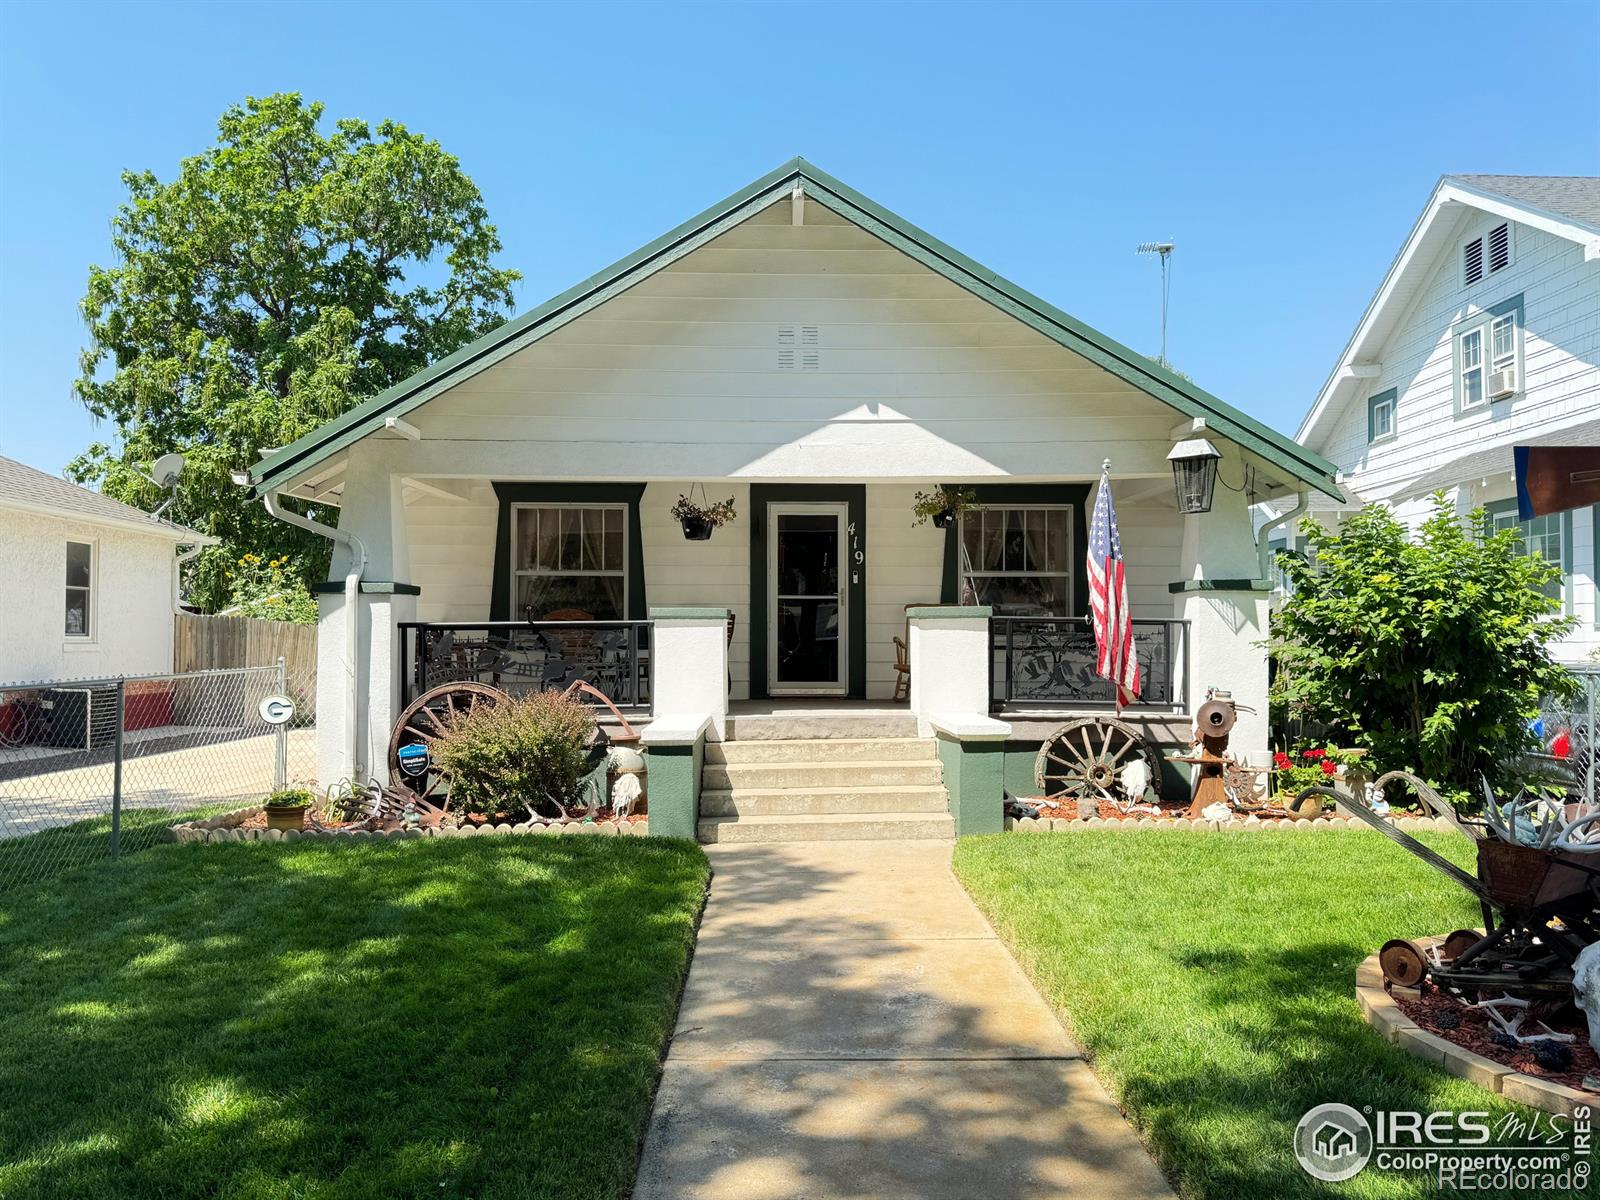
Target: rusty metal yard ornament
(1213, 722)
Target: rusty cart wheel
(1083, 759)
(1459, 942)
(1403, 962)
(424, 719)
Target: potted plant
(943, 505)
(287, 809)
(1312, 767)
(700, 519)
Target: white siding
(132, 601)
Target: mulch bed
(1474, 1034)
(1170, 810)
(641, 813)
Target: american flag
(1108, 599)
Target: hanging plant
(943, 505)
(700, 519)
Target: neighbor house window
(1018, 561)
(570, 559)
(1380, 416)
(1488, 355)
(80, 589)
(1543, 537)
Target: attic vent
(785, 335)
(1472, 262)
(808, 337)
(1499, 247)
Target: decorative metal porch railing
(524, 656)
(1048, 662)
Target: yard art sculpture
(1221, 781)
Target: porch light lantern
(1194, 474)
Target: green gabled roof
(1129, 365)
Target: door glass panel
(807, 599)
(808, 641)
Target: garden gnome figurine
(1586, 989)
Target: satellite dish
(166, 470)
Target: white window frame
(1386, 407)
(1069, 574)
(1482, 325)
(518, 572)
(90, 592)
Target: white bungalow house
(819, 360)
(89, 590)
(1484, 335)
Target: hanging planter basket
(943, 505)
(700, 518)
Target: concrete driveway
(852, 1027)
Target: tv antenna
(1164, 249)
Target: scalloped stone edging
(225, 828)
(1390, 1021)
(1251, 823)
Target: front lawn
(464, 1018)
(1211, 978)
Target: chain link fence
(1567, 733)
(91, 769)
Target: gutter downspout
(177, 576)
(1263, 554)
(352, 609)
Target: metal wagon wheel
(1083, 757)
(424, 719)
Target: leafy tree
(268, 288)
(269, 589)
(1433, 651)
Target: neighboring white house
(1484, 335)
(818, 359)
(90, 584)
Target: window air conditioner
(1502, 384)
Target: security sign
(413, 758)
(276, 710)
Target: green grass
(1210, 977)
(25, 861)
(463, 1018)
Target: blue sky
(1286, 148)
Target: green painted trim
(674, 788)
(1075, 494)
(1393, 397)
(369, 587)
(1569, 585)
(950, 612)
(1594, 567)
(762, 494)
(689, 614)
(1129, 365)
(1483, 318)
(974, 778)
(508, 494)
(1220, 585)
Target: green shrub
(292, 798)
(1432, 651)
(524, 753)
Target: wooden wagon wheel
(1083, 758)
(424, 719)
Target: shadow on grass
(444, 1018)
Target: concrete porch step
(822, 750)
(805, 775)
(836, 827)
(782, 802)
(843, 724)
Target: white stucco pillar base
(951, 660)
(378, 677)
(689, 667)
(1228, 632)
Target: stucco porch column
(374, 511)
(1224, 600)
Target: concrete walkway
(852, 1028)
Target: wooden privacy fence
(205, 643)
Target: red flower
(1315, 753)
(1281, 761)
(1561, 747)
(1329, 768)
